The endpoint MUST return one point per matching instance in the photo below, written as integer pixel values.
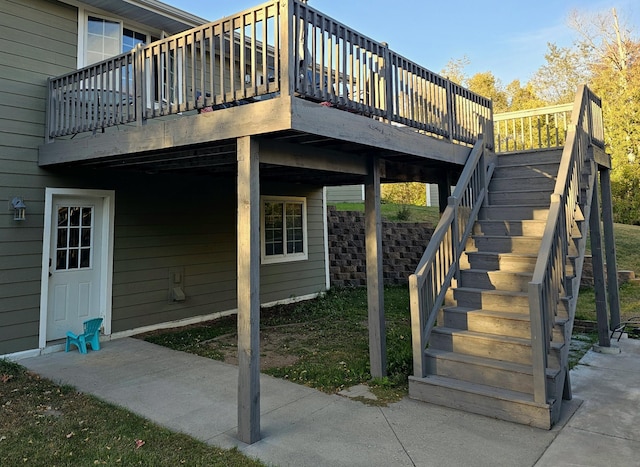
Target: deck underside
(300, 140)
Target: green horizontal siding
(161, 222)
(192, 226)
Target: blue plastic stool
(91, 335)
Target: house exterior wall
(37, 40)
(163, 224)
(345, 194)
(169, 223)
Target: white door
(74, 264)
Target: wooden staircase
(479, 355)
(493, 297)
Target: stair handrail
(439, 264)
(550, 275)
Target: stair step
(543, 156)
(505, 184)
(520, 212)
(488, 372)
(498, 300)
(493, 402)
(493, 261)
(519, 197)
(506, 244)
(530, 170)
(501, 348)
(501, 323)
(499, 280)
(513, 227)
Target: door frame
(106, 252)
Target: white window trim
(284, 258)
(83, 18)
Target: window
(284, 229)
(74, 236)
(101, 38)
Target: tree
(557, 81)
(613, 57)
(407, 193)
(522, 97)
(454, 70)
(483, 83)
(487, 85)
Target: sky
(507, 37)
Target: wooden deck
(283, 72)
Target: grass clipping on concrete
(42, 423)
(321, 343)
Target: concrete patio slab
(304, 427)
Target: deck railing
(550, 277)
(277, 48)
(440, 263)
(533, 129)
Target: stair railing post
(416, 297)
(455, 236)
(538, 343)
(482, 167)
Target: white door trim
(106, 248)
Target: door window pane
(74, 237)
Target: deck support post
(248, 283)
(375, 281)
(595, 231)
(610, 248)
(444, 191)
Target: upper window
(103, 38)
(284, 229)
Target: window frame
(284, 257)
(83, 31)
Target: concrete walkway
(304, 427)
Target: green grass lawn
(321, 343)
(42, 423)
(628, 247)
(393, 212)
(628, 258)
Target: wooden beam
(610, 249)
(268, 116)
(598, 270)
(375, 281)
(309, 117)
(248, 283)
(602, 158)
(309, 157)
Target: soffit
(150, 12)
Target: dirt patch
(280, 346)
(274, 351)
